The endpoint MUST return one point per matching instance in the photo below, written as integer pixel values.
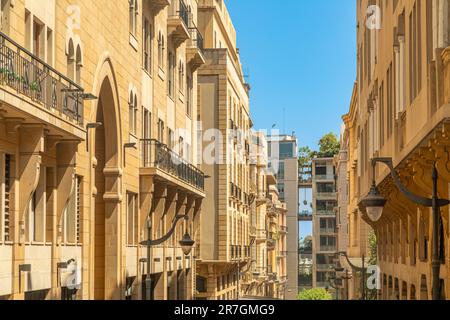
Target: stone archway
(107, 172)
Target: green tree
(373, 261)
(373, 248)
(329, 146)
(315, 294)
(305, 155)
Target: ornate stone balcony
(178, 22)
(34, 81)
(157, 159)
(194, 50)
(158, 5)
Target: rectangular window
(133, 16)
(38, 39)
(161, 131)
(415, 51)
(281, 171)
(170, 139)
(171, 82)
(78, 185)
(71, 220)
(4, 16)
(5, 193)
(132, 219)
(147, 46)
(190, 91)
(146, 128)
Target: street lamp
(346, 278)
(186, 245)
(362, 269)
(375, 202)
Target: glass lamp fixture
(374, 203)
(186, 244)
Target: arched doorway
(423, 288)
(107, 182)
(412, 293)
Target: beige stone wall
(402, 110)
(111, 68)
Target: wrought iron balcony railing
(30, 76)
(155, 154)
(196, 38)
(180, 9)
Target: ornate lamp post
(375, 202)
(186, 245)
(362, 269)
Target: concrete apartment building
(283, 157)
(224, 106)
(324, 246)
(93, 113)
(403, 112)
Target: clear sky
(300, 56)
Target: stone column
(114, 278)
(159, 204)
(28, 170)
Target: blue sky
(300, 58)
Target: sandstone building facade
(98, 99)
(402, 111)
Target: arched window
(71, 60)
(161, 48)
(147, 45)
(132, 106)
(133, 16)
(78, 64)
(181, 76)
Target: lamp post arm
(330, 281)
(426, 202)
(168, 235)
(350, 263)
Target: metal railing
(26, 73)
(328, 230)
(196, 38)
(325, 266)
(180, 9)
(325, 212)
(328, 248)
(155, 154)
(321, 177)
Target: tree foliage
(329, 146)
(305, 155)
(373, 248)
(315, 294)
(373, 261)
